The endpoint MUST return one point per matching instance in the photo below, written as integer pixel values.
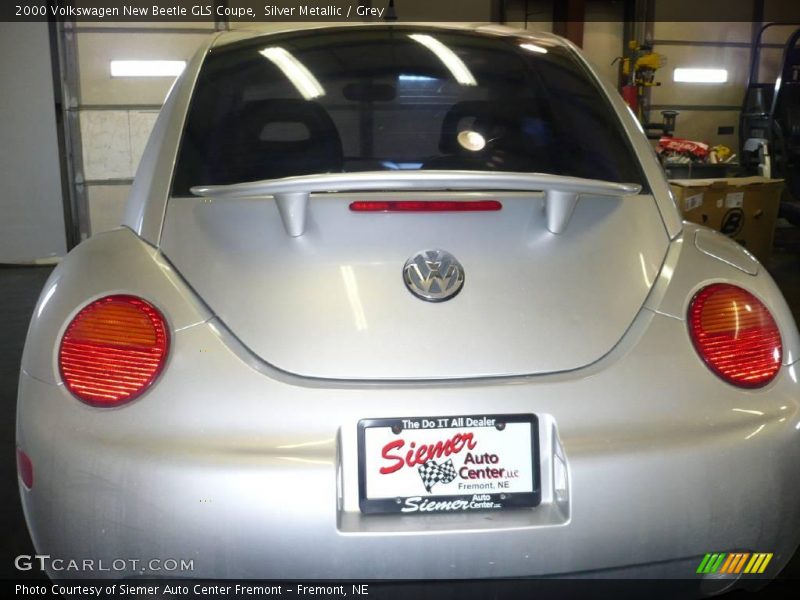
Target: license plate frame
(375, 497)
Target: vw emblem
(433, 275)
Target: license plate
(448, 464)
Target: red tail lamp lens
(25, 468)
(425, 206)
(735, 335)
(113, 350)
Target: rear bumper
(248, 472)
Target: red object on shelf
(682, 146)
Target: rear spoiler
(291, 193)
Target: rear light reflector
(113, 350)
(425, 206)
(25, 469)
(735, 334)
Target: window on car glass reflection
(395, 97)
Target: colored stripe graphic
(758, 564)
(733, 563)
(741, 562)
(731, 559)
(711, 562)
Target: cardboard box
(743, 208)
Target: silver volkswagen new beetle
(400, 301)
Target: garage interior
(74, 133)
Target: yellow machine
(642, 76)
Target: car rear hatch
(316, 288)
(332, 302)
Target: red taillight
(113, 350)
(735, 335)
(25, 468)
(425, 205)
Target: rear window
(394, 97)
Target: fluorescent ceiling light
(147, 68)
(700, 75)
(533, 48)
(295, 71)
(403, 77)
(449, 59)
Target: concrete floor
(20, 288)
(784, 266)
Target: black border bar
(216, 12)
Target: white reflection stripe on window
(533, 48)
(295, 71)
(449, 58)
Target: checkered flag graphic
(431, 473)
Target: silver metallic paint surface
(114, 262)
(332, 303)
(194, 468)
(718, 246)
(144, 212)
(251, 470)
(678, 282)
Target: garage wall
(115, 115)
(602, 32)
(31, 205)
(705, 108)
(603, 37)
